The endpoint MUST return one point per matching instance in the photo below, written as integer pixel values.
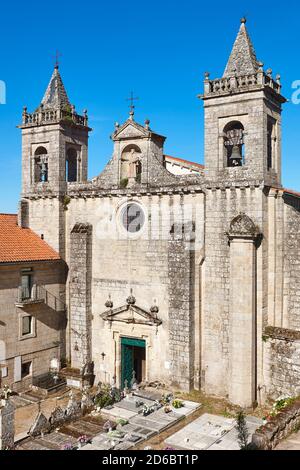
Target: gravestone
(57, 417)
(40, 425)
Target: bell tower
(54, 155)
(243, 119)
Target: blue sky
(158, 49)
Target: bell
(235, 158)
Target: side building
(32, 308)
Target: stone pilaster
(23, 214)
(181, 313)
(242, 311)
(80, 294)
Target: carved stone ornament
(40, 425)
(132, 314)
(57, 416)
(243, 227)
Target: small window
(27, 325)
(133, 218)
(272, 139)
(71, 165)
(26, 369)
(4, 371)
(26, 283)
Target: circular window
(133, 218)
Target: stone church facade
(184, 274)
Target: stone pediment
(131, 314)
(130, 130)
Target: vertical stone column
(181, 313)
(7, 424)
(242, 319)
(23, 214)
(80, 294)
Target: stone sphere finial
(154, 309)
(109, 302)
(261, 66)
(131, 299)
(147, 123)
(269, 72)
(244, 20)
(206, 75)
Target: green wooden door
(127, 358)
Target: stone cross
(132, 100)
(56, 57)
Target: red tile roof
(22, 244)
(291, 191)
(181, 160)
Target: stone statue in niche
(131, 165)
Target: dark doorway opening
(133, 362)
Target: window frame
(23, 377)
(32, 334)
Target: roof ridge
(184, 160)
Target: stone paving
(210, 432)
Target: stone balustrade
(49, 116)
(240, 83)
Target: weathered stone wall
(56, 139)
(280, 426)
(252, 112)
(7, 424)
(181, 276)
(292, 261)
(282, 360)
(47, 218)
(80, 294)
(140, 262)
(222, 205)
